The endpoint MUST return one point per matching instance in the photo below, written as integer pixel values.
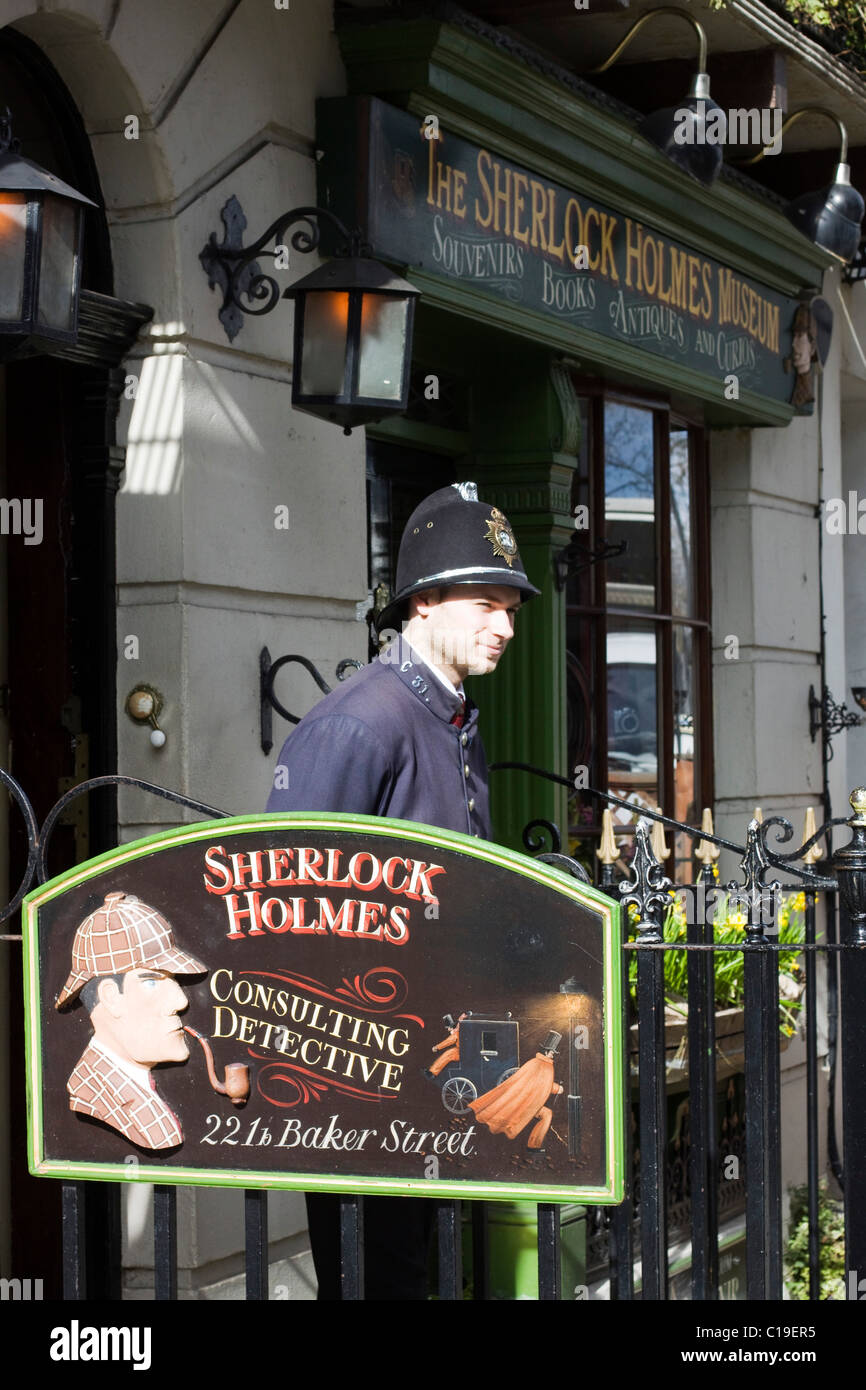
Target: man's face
(144, 1022)
(470, 627)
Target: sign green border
(610, 1192)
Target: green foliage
(843, 20)
(729, 930)
(831, 1246)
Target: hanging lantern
(41, 229)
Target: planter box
(730, 1046)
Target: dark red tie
(459, 717)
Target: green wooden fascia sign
(483, 91)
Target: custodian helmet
(452, 538)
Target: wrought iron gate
(635, 1232)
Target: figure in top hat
(401, 739)
(124, 964)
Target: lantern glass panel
(326, 322)
(383, 347)
(13, 225)
(57, 276)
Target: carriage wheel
(512, 1071)
(457, 1093)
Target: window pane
(326, 316)
(383, 347)
(684, 749)
(629, 505)
(13, 217)
(56, 274)
(682, 574)
(632, 712)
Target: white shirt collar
(137, 1073)
(449, 685)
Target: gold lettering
(707, 305)
(443, 182)
(553, 249)
(694, 272)
(632, 253)
(576, 237)
(773, 327)
(724, 283)
(677, 277)
(460, 177)
(608, 227)
(590, 214)
(649, 281)
(520, 233)
(663, 294)
(539, 203)
(501, 198)
(482, 179)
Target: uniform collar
(425, 684)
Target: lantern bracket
(234, 267)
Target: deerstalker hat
(453, 538)
(124, 934)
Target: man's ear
(108, 994)
(424, 603)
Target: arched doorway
(60, 473)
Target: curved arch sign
(326, 1002)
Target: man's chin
(483, 664)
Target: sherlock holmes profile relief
(124, 964)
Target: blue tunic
(382, 744)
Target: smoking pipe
(237, 1083)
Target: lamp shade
(692, 135)
(41, 228)
(353, 341)
(831, 216)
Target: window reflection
(632, 711)
(629, 506)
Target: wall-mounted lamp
(41, 231)
(682, 138)
(144, 706)
(353, 316)
(830, 217)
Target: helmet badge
(501, 536)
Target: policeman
(401, 739)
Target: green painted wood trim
(621, 359)
(524, 708)
(492, 97)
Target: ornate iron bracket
(268, 700)
(234, 268)
(577, 556)
(826, 715)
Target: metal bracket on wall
(824, 713)
(577, 556)
(268, 700)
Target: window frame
(667, 416)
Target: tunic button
(472, 803)
(464, 739)
(465, 769)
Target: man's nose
(501, 623)
(176, 999)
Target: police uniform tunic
(383, 744)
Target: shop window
(638, 620)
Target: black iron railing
(642, 1218)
